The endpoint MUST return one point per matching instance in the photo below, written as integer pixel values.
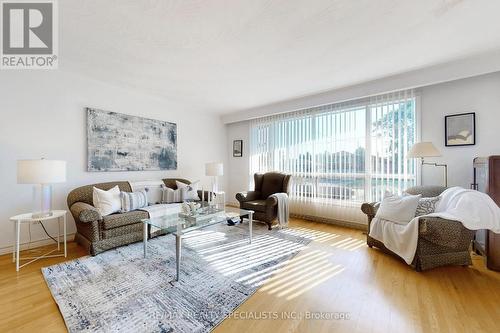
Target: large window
(343, 153)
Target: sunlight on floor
(308, 285)
(264, 250)
(256, 255)
(197, 239)
(289, 278)
(346, 243)
(301, 274)
(349, 243)
(276, 269)
(315, 235)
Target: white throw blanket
(283, 208)
(475, 210)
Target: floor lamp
(427, 149)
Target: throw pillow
(398, 209)
(171, 195)
(188, 192)
(426, 206)
(155, 194)
(133, 200)
(106, 202)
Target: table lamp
(427, 149)
(42, 173)
(214, 169)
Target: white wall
(439, 73)
(238, 168)
(480, 94)
(42, 115)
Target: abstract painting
(460, 129)
(119, 142)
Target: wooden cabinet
(487, 180)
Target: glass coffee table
(181, 225)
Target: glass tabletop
(177, 223)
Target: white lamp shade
(423, 149)
(41, 171)
(214, 169)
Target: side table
(28, 218)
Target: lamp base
(42, 201)
(215, 185)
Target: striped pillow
(171, 195)
(133, 200)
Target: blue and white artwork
(119, 142)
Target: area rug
(120, 291)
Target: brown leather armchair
(260, 200)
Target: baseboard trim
(340, 223)
(312, 218)
(35, 244)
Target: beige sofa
(100, 233)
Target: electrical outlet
(35, 222)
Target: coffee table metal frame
(180, 231)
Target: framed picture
(237, 148)
(460, 129)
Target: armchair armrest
(370, 208)
(247, 196)
(85, 212)
(446, 233)
(271, 200)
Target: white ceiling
(229, 55)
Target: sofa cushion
(122, 219)
(133, 200)
(426, 206)
(172, 182)
(152, 187)
(171, 196)
(255, 205)
(426, 191)
(272, 183)
(398, 209)
(107, 202)
(122, 231)
(84, 193)
(189, 192)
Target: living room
(187, 166)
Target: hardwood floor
(26, 304)
(336, 274)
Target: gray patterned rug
(121, 291)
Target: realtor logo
(29, 34)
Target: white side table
(27, 218)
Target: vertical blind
(340, 155)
